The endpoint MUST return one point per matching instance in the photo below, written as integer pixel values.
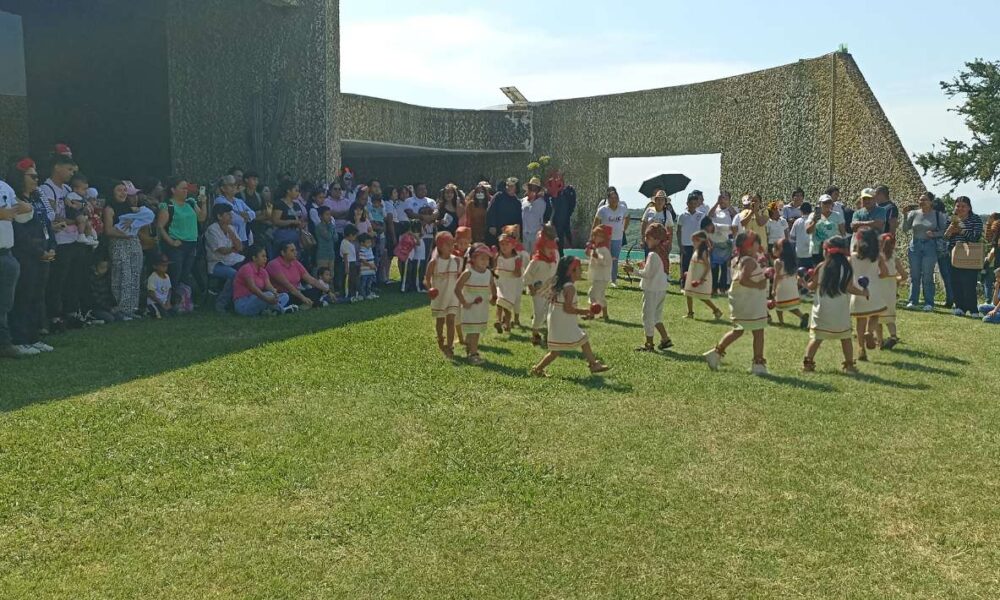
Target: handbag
(307, 241)
(940, 244)
(966, 255)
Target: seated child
(158, 290)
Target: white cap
(825, 198)
(92, 193)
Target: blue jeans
(226, 295)
(944, 265)
(367, 285)
(616, 250)
(251, 306)
(985, 309)
(181, 264)
(923, 257)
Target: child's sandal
(498, 327)
(850, 368)
(646, 348)
(666, 344)
(718, 315)
(890, 343)
(536, 372)
(808, 365)
(599, 367)
(536, 339)
(870, 342)
(690, 315)
(475, 359)
(863, 357)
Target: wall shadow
(90, 359)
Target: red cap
(64, 149)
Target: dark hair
(798, 192)
(15, 178)
(172, 183)
(741, 239)
(837, 270)
(318, 190)
(62, 159)
(254, 251)
(930, 196)
(322, 210)
(364, 237)
(805, 208)
(284, 187)
(693, 196)
(350, 230)
(964, 199)
(220, 209)
(786, 251)
(416, 226)
(832, 190)
(706, 222)
(249, 174)
(234, 170)
(284, 247)
(700, 249)
(78, 178)
(364, 211)
(727, 194)
(882, 188)
(561, 278)
(867, 247)
(320, 271)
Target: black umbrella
(670, 183)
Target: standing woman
(944, 254)
(449, 209)
(656, 212)
(476, 204)
(927, 226)
(126, 254)
(178, 226)
(286, 217)
(613, 213)
(35, 249)
(966, 226)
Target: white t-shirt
(216, 238)
(160, 286)
(690, 223)
(614, 218)
(776, 230)
(801, 238)
(347, 247)
(533, 214)
(723, 222)
(663, 217)
(55, 202)
(414, 204)
(399, 213)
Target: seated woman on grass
(253, 293)
(287, 275)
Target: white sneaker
(291, 308)
(910, 306)
(82, 238)
(928, 308)
(713, 359)
(26, 350)
(371, 297)
(42, 347)
(958, 312)
(976, 315)
(92, 241)
(758, 369)
(613, 284)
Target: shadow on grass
(930, 355)
(799, 382)
(691, 358)
(90, 359)
(494, 349)
(909, 366)
(869, 378)
(625, 324)
(599, 381)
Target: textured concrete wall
(13, 128)
(437, 170)
(236, 68)
(386, 121)
(771, 127)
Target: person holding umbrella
(658, 211)
(613, 213)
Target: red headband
(831, 249)
(544, 244)
(887, 237)
(24, 164)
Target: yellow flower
(545, 160)
(534, 166)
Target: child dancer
(541, 269)
(508, 271)
(700, 272)
(868, 268)
(463, 239)
(409, 252)
(832, 283)
(653, 282)
(748, 303)
(599, 252)
(888, 289)
(475, 286)
(564, 330)
(786, 282)
(442, 275)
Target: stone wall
(254, 84)
(437, 170)
(13, 129)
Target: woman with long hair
(476, 203)
(450, 209)
(926, 226)
(125, 251)
(966, 226)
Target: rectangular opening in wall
(627, 175)
(12, 81)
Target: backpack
(170, 212)
(406, 245)
(185, 301)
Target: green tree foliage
(979, 160)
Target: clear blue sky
(426, 53)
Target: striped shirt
(972, 231)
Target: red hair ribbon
(888, 236)
(546, 250)
(749, 242)
(24, 164)
(831, 249)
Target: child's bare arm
(460, 287)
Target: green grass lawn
(335, 453)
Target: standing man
(688, 222)
(10, 208)
(563, 207)
(68, 273)
(791, 212)
(535, 211)
(504, 210)
(889, 207)
(868, 216)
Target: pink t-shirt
(258, 274)
(293, 272)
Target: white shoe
(26, 350)
(911, 306)
(291, 308)
(713, 359)
(42, 347)
(976, 315)
(371, 297)
(613, 284)
(758, 369)
(958, 312)
(928, 308)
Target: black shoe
(949, 304)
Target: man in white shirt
(793, 211)
(69, 271)
(838, 206)
(533, 209)
(688, 222)
(222, 252)
(615, 215)
(242, 215)
(801, 238)
(10, 209)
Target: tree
(958, 162)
